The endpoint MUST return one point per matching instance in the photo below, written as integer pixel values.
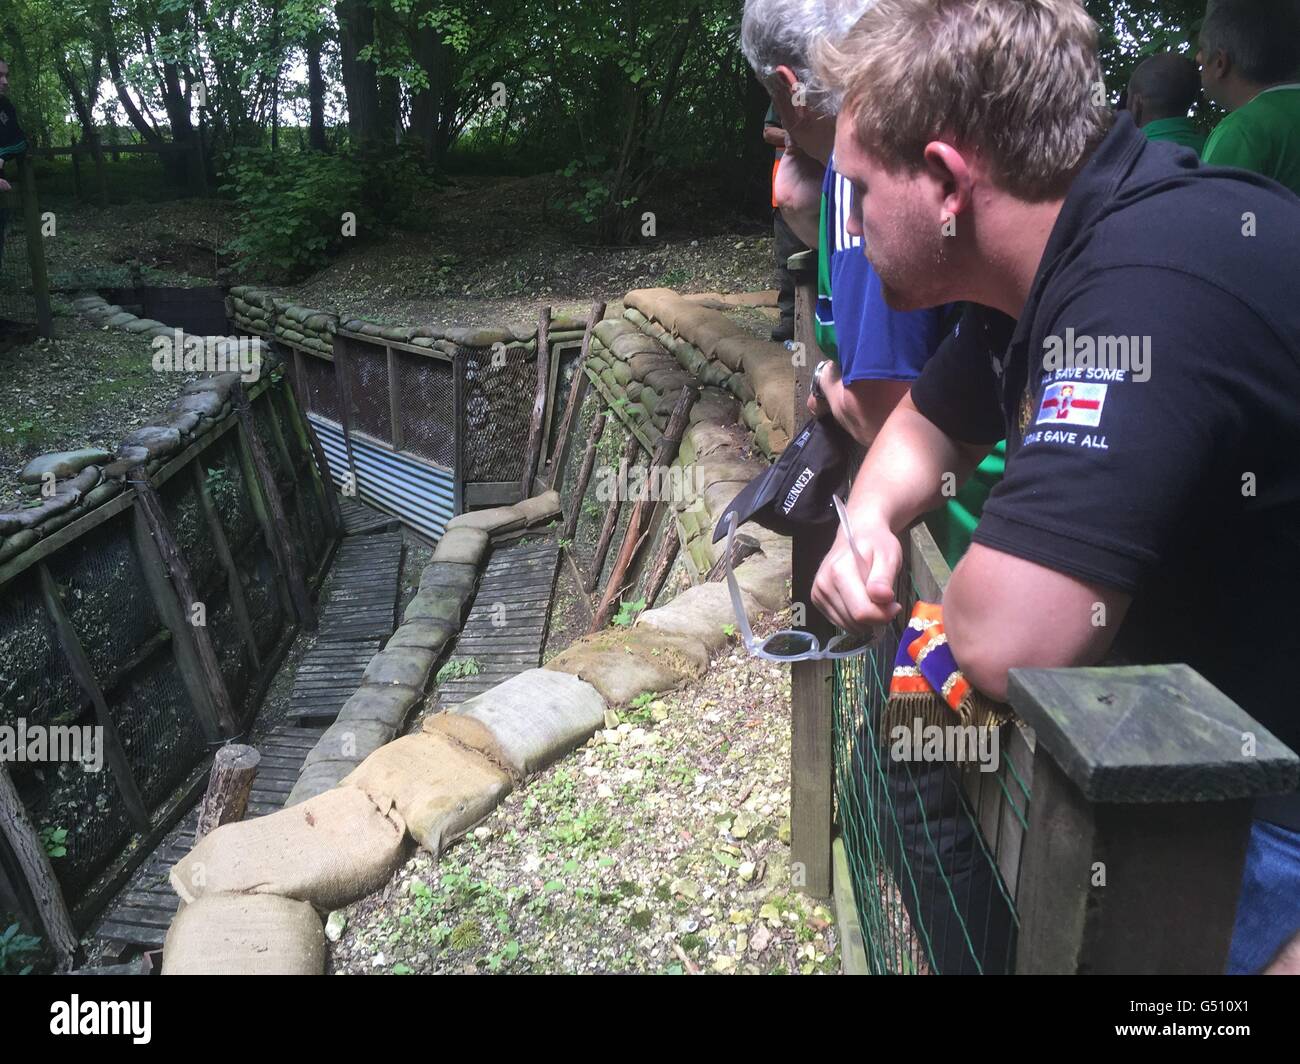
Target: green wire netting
(932, 848)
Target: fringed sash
(927, 683)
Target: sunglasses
(792, 644)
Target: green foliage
(17, 952)
(54, 840)
(457, 669)
(627, 613)
(298, 209)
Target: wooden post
(610, 524)
(742, 547)
(537, 425)
(459, 428)
(663, 562)
(234, 586)
(1141, 811)
(280, 538)
(344, 380)
(226, 800)
(577, 390)
(637, 525)
(35, 865)
(584, 477)
(36, 249)
(394, 401)
(812, 766)
(178, 571)
(79, 664)
(306, 433)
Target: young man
(1250, 65)
(1155, 509)
(1161, 91)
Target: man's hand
(856, 589)
(798, 194)
(776, 136)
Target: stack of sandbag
(717, 351)
(252, 310)
(305, 327)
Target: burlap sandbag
(635, 344)
(245, 934)
(537, 716)
(715, 405)
(609, 330)
(767, 578)
(441, 787)
(657, 304)
(707, 437)
(466, 545)
(772, 377)
(624, 664)
(702, 612)
(706, 328)
(494, 521)
(329, 850)
(540, 508)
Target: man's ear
(954, 183)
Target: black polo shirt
(1166, 462)
(12, 140)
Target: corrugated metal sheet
(422, 495)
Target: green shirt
(1176, 131)
(1263, 136)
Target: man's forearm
(911, 468)
(863, 407)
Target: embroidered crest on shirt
(1072, 403)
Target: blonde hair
(1017, 80)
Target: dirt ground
(661, 846)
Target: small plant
(14, 948)
(458, 668)
(627, 613)
(55, 841)
(729, 630)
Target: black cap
(796, 491)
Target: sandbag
(494, 521)
(384, 704)
(440, 788)
(537, 716)
(467, 545)
(540, 508)
(701, 612)
(622, 665)
(242, 934)
(329, 850)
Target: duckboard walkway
(506, 627)
(355, 620)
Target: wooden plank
(150, 507)
(279, 533)
(812, 765)
(537, 422)
(577, 392)
(610, 524)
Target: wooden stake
(534, 451)
(576, 391)
(226, 800)
(637, 525)
(742, 547)
(584, 477)
(663, 562)
(37, 870)
(178, 572)
(610, 524)
(281, 538)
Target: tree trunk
(315, 94)
(426, 106)
(357, 31)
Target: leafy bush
(293, 204)
(458, 668)
(627, 613)
(15, 949)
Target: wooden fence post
(36, 249)
(537, 426)
(577, 390)
(1142, 803)
(584, 477)
(233, 769)
(610, 524)
(812, 766)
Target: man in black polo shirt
(1145, 372)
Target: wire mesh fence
(125, 622)
(932, 846)
(17, 297)
(500, 385)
